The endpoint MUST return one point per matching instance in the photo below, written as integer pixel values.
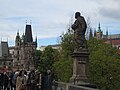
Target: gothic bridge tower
(26, 48)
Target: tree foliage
(63, 67)
(37, 57)
(104, 62)
(104, 65)
(48, 57)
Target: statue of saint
(79, 28)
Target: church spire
(99, 32)
(36, 41)
(99, 27)
(18, 36)
(110, 40)
(94, 32)
(18, 32)
(106, 33)
(91, 34)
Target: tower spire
(110, 40)
(99, 27)
(99, 24)
(18, 32)
(36, 41)
(94, 32)
(28, 34)
(106, 33)
(91, 34)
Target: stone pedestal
(80, 67)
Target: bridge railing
(68, 86)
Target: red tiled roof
(114, 42)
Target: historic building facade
(113, 39)
(24, 50)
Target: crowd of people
(25, 80)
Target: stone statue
(79, 28)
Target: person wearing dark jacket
(47, 80)
(6, 81)
(11, 77)
(31, 81)
(1, 80)
(38, 81)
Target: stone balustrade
(69, 86)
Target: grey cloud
(109, 9)
(110, 13)
(54, 25)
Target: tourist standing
(6, 81)
(14, 79)
(31, 81)
(47, 80)
(21, 81)
(11, 74)
(38, 81)
(1, 80)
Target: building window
(18, 58)
(17, 52)
(18, 44)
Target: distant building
(4, 51)
(99, 33)
(113, 39)
(5, 57)
(23, 53)
(56, 46)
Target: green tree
(48, 57)
(63, 67)
(38, 54)
(104, 65)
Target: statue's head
(77, 14)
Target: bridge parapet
(69, 86)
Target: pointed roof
(28, 34)
(36, 41)
(99, 28)
(91, 33)
(107, 31)
(17, 36)
(94, 32)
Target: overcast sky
(51, 17)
